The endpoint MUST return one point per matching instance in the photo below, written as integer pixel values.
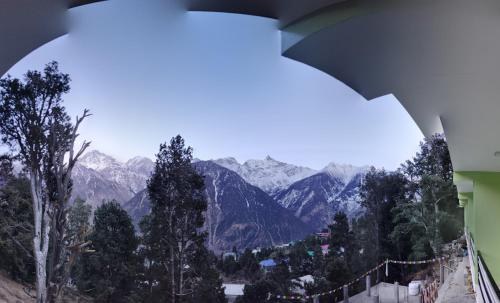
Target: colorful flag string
(386, 263)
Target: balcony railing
(486, 289)
(487, 286)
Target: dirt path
(12, 292)
(454, 289)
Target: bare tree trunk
(172, 260)
(436, 231)
(172, 274)
(182, 246)
(377, 244)
(41, 237)
(181, 274)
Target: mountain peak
(268, 158)
(138, 161)
(229, 160)
(141, 165)
(96, 160)
(344, 171)
(268, 174)
(229, 163)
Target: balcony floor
(454, 289)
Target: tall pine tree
(380, 193)
(431, 214)
(16, 224)
(108, 273)
(174, 243)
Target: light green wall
(482, 215)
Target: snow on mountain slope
(344, 172)
(316, 199)
(269, 174)
(99, 177)
(132, 175)
(312, 196)
(94, 188)
(140, 165)
(98, 161)
(239, 214)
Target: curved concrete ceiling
(438, 57)
(26, 25)
(286, 11)
(75, 3)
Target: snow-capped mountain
(269, 174)
(239, 214)
(344, 172)
(98, 161)
(131, 175)
(94, 188)
(316, 199)
(140, 165)
(312, 196)
(98, 177)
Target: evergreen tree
(78, 222)
(342, 242)
(340, 236)
(337, 272)
(343, 251)
(258, 292)
(229, 265)
(209, 287)
(6, 169)
(430, 216)
(249, 265)
(171, 232)
(380, 192)
(300, 261)
(16, 224)
(108, 273)
(281, 279)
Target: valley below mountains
(255, 204)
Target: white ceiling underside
(440, 58)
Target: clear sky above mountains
(149, 71)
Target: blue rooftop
(267, 263)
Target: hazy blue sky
(149, 71)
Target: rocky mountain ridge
(301, 199)
(238, 214)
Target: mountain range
(257, 203)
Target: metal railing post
(368, 285)
(396, 291)
(346, 294)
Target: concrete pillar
(396, 292)
(374, 299)
(368, 285)
(441, 273)
(316, 299)
(346, 294)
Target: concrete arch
(434, 56)
(26, 25)
(285, 11)
(440, 58)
